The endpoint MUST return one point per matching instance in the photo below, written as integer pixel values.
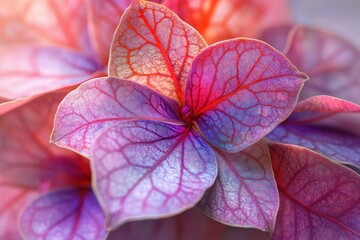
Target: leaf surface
(244, 193)
(239, 90)
(146, 169)
(319, 199)
(152, 46)
(100, 103)
(27, 70)
(338, 145)
(64, 214)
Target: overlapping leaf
(65, 214)
(224, 19)
(319, 199)
(26, 70)
(244, 193)
(100, 103)
(146, 169)
(240, 90)
(152, 46)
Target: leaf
(244, 193)
(181, 227)
(100, 103)
(104, 17)
(29, 164)
(146, 169)
(56, 22)
(332, 64)
(319, 199)
(64, 214)
(224, 19)
(152, 46)
(340, 146)
(27, 70)
(240, 90)
(319, 107)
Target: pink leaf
(146, 169)
(56, 22)
(65, 214)
(244, 193)
(223, 19)
(27, 70)
(319, 107)
(104, 17)
(332, 64)
(100, 103)
(186, 226)
(152, 46)
(319, 199)
(336, 144)
(240, 90)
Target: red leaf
(146, 169)
(152, 46)
(244, 193)
(224, 19)
(318, 198)
(240, 90)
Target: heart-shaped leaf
(240, 90)
(26, 70)
(186, 226)
(336, 144)
(100, 103)
(244, 193)
(225, 19)
(146, 169)
(152, 46)
(58, 22)
(319, 199)
(64, 214)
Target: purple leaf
(188, 225)
(146, 169)
(27, 70)
(65, 214)
(29, 164)
(336, 144)
(244, 193)
(100, 103)
(240, 90)
(319, 199)
(152, 46)
(319, 107)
